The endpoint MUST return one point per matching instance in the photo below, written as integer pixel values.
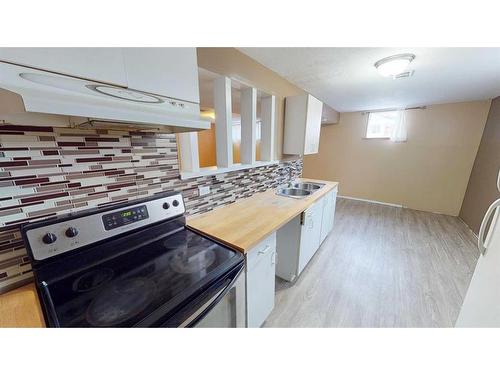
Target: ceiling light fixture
(394, 65)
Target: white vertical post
(248, 109)
(268, 120)
(223, 122)
(188, 145)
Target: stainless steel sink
(293, 192)
(307, 186)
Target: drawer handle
(265, 250)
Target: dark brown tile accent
(31, 181)
(91, 139)
(43, 197)
(44, 162)
(4, 164)
(117, 186)
(70, 144)
(112, 173)
(26, 128)
(17, 178)
(50, 153)
(92, 160)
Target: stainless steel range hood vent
(30, 91)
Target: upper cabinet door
(302, 125)
(171, 72)
(96, 64)
(313, 125)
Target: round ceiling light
(393, 65)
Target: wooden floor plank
(381, 266)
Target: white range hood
(25, 90)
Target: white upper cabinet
(302, 125)
(96, 64)
(171, 72)
(329, 116)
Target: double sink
(298, 189)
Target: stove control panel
(72, 233)
(125, 217)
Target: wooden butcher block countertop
(21, 308)
(245, 223)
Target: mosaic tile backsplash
(47, 171)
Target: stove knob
(175, 203)
(166, 206)
(49, 238)
(71, 232)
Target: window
(382, 124)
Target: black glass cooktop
(131, 278)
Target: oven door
(229, 311)
(221, 306)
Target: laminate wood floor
(381, 266)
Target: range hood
(25, 90)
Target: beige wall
(428, 172)
(482, 189)
(232, 63)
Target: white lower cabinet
(329, 202)
(299, 239)
(260, 279)
(310, 233)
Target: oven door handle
(49, 305)
(209, 305)
(206, 306)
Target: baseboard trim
(370, 201)
(467, 225)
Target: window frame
(368, 124)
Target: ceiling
(346, 79)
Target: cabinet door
(310, 234)
(333, 204)
(261, 269)
(326, 216)
(171, 72)
(313, 125)
(97, 64)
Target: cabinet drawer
(259, 252)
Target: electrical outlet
(203, 190)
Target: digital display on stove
(121, 218)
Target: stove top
(136, 278)
(126, 289)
